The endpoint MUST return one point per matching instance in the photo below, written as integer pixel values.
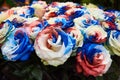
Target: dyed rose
(85, 21)
(95, 34)
(63, 7)
(52, 9)
(114, 42)
(57, 8)
(34, 28)
(61, 22)
(93, 59)
(5, 29)
(77, 35)
(109, 21)
(53, 46)
(40, 8)
(17, 46)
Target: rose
(109, 21)
(76, 34)
(114, 42)
(40, 8)
(95, 34)
(117, 18)
(85, 21)
(5, 29)
(17, 46)
(34, 28)
(57, 8)
(93, 59)
(53, 46)
(60, 21)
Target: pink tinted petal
(79, 68)
(28, 27)
(98, 39)
(74, 31)
(98, 59)
(89, 69)
(9, 12)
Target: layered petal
(93, 59)
(53, 46)
(17, 46)
(96, 34)
(114, 42)
(5, 29)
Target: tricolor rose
(93, 59)
(17, 46)
(76, 34)
(95, 34)
(53, 46)
(109, 21)
(39, 8)
(34, 28)
(85, 21)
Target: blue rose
(17, 46)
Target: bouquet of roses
(58, 31)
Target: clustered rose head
(56, 31)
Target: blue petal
(23, 42)
(67, 40)
(116, 34)
(77, 14)
(21, 55)
(54, 39)
(61, 10)
(89, 50)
